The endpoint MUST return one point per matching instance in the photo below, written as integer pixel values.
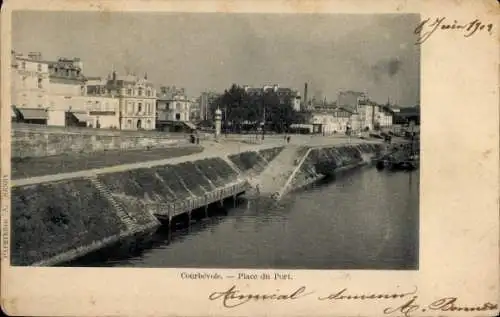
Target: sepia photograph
(215, 140)
(230, 158)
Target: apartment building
(136, 101)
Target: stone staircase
(276, 174)
(120, 212)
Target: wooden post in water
(170, 217)
(187, 206)
(234, 201)
(206, 206)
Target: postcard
(250, 158)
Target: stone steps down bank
(58, 221)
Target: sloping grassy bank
(325, 161)
(254, 162)
(53, 218)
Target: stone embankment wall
(39, 142)
(59, 221)
(324, 161)
(252, 163)
(56, 222)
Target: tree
(238, 107)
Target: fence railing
(117, 132)
(179, 207)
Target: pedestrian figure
(288, 139)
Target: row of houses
(351, 109)
(57, 93)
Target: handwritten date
(428, 27)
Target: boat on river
(402, 158)
(390, 163)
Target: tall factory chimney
(304, 106)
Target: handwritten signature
(233, 297)
(427, 27)
(442, 304)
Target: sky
(375, 54)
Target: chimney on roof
(35, 56)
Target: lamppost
(263, 124)
(218, 115)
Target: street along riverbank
(54, 222)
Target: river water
(362, 219)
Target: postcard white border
(458, 204)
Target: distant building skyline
(335, 52)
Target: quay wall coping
(32, 128)
(35, 143)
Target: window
(148, 93)
(178, 106)
(139, 107)
(23, 65)
(129, 123)
(140, 91)
(177, 116)
(39, 83)
(129, 92)
(39, 67)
